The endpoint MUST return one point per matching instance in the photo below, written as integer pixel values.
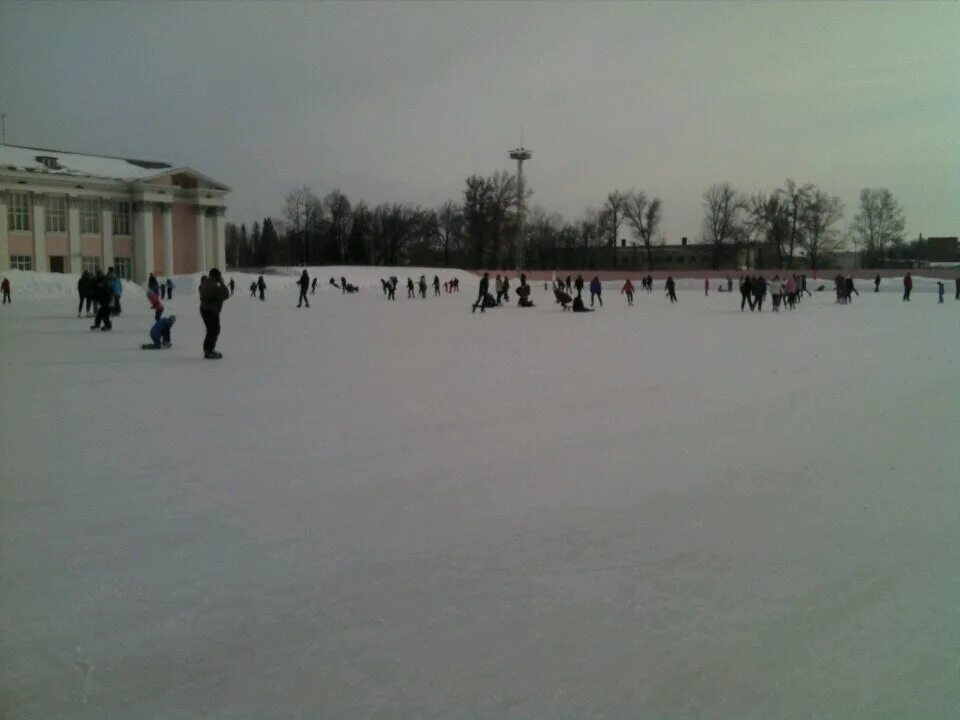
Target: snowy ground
(386, 510)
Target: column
(4, 238)
(142, 241)
(167, 211)
(39, 232)
(73, 234)
(201, 239)
(106, 225)
(219, 232)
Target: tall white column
(73, 234)
(142, 241)
(106, 226)
(201, 214)
(219, 233)
(167, 211)
(39, 232)
(4, 238)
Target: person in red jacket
(155, 304)
(627, 289)
(907, 287)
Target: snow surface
(381, 510)
(24, 158)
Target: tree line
(481, 229)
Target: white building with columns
(69, 212)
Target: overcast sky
(400, 101)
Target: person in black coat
(212, 294)
(104, 296)
(578, 285)
(746, 293)
(304, 283)
(483, 292)
(671, 288)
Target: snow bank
(30, 285)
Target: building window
(18, 212)
(121, 218)
(21, 262)
(56, 213)
(90, 264)
(123, 267)
(90, 217)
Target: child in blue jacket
(160, 333)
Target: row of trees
(800, 217)
(481, 230)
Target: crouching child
(160, 333)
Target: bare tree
(449, 228)
(879, 224)
(299, 211)
(722, 225)
(821, 214)
(643, 216)
(613, 212)
(589, 230)
(795, 200)
(338, 211)
(393, 227)
(768, 222)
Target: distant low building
(69, 212)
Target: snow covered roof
(58, 163)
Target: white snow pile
(30, 285)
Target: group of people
(486, 300)
(163, 289)
(390, 287)
(101, 294)
(783, 292)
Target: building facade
(69, 212)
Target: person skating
(482, 293)
(163, 290)
(627, 290)
(849, 289)
(343, 285)
(313, 286)
(152, 284)
(506, 289)
(876, 283)
(436, 286)
(392, 288)
(422, 284)
(155, 304)
(5, 291)
(212, 294)
(706, 287)
(940, 289)
(411, 293)
(802, 287)
(569, 285)
(671, 287)
(160, 332)
(498, 288)
(596, 291)
(104, 296)
(729, 284)
(261, 286)
(759, 292)
(232, 287)
(776, 292)
(907, 287)
(116, 287)
(746, 292)
(84, 291)
(304, 283)
(170, 287)
(578, 285)
(792, 292)
(253, 289)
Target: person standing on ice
(116, 287)
(746, 293)
(940, 288)
(313, 286)
(155, 304)
(261, 286)
(671, 288)
(506, 289)
(596, 290)
(876, 283)
(759, 292)
(482, 294)
(83, 292)
(849, 289)
(628, 290)
(304, 283)
(578, 285)
(706, 287)
(5, 291)
(104, 295)
(729, 284)
(170, 287)
(436, 286)
(498, 288)
(422, 283)
(232, 287)
(907, 287)
(776, 290)
(212, 295)
(411, 293)
(152, 285)
(160, 333)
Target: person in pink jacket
(628, 290)
(791, 290)
(155, 304)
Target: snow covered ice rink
(403, 510)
